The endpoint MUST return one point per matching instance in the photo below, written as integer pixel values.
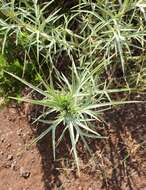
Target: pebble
(19, 132)
(12, 119)
(33, 160)
(13, 166)
(24, 173)
(28, 133)
(10, 157)
(12, 110)
(2, 153)
(8, 145)
(7, 165)
(2, 139)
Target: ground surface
(119, 162)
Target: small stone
(12, 110)
(7, 165)
(33, 160)
(12, 119)
(13, 166)
(2, 139)
(2, 153)
(9, 145)
(24, 173)
(19, 132)
(10, 157)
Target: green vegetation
(76, 54)
(9, 86)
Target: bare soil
(117, 163)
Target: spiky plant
(36, 26)
(113, 29)
(76, 103)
